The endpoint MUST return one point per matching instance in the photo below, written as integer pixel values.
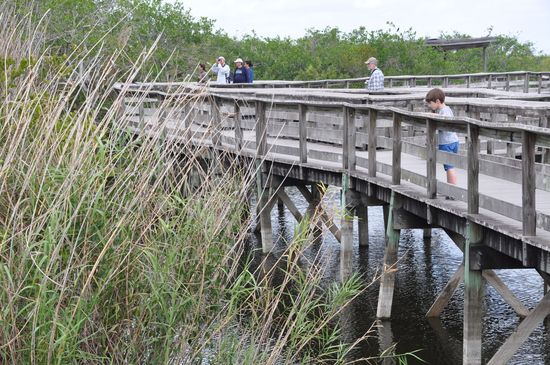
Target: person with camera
(221, 69)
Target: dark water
(424, 268)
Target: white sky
(527, 19)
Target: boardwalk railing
(356, 126)
(353, 136)
(525, 81)
(348, 143)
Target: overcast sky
(527, 19)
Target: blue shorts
(451, 147)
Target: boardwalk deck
(501, 215)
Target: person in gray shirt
(448, 141)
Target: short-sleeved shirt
(376, 80)
(445, 137)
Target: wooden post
(429, 82)
(391, 82)
(264, 210)
(545, 158)
(490, 143)
(261, 129)
(346, 227)
(120, 109)
(372, 143)
(489, 81)
(539, 79)
(468, 81)
(362, 213)
(387, 281)
(528, 184)
(427, 233)
(510, 147)
(473, 297)
(141, 112)
(473, 169)
(216, 121)
(507, 87)
(385, 340)
(396, 153)
(431, 158)
(445, 81)
(238, 126)
(302, 115)
(263, 188)
(313, 205)
(348, 153)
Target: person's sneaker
(449, 198)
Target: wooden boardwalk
(381, 150)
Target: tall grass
(112, 253)
(109, 255)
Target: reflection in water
(452, 348)
(385, 338)
(424, 267)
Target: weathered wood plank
(473, 169)
(303, 132)
(445, 295)
(431, 150)
(372, 143)
(520, 335)
(261, 129)
(238, 126)
(396, 171)
(528, 185)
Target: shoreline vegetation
(109, 254)
(104, 27)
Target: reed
(110, 253)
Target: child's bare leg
(451, 176)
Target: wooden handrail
(529, 136)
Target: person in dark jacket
(240, 76)
(249, 67)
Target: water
(424, 268)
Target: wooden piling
(387, 281)
(362, 213)
(346, 227)
(473, 297)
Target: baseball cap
(371, 60)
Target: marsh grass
(108, 254)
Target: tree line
(183, 41)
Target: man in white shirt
(222, 70)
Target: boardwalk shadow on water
(425, 265)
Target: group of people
(243, 74)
